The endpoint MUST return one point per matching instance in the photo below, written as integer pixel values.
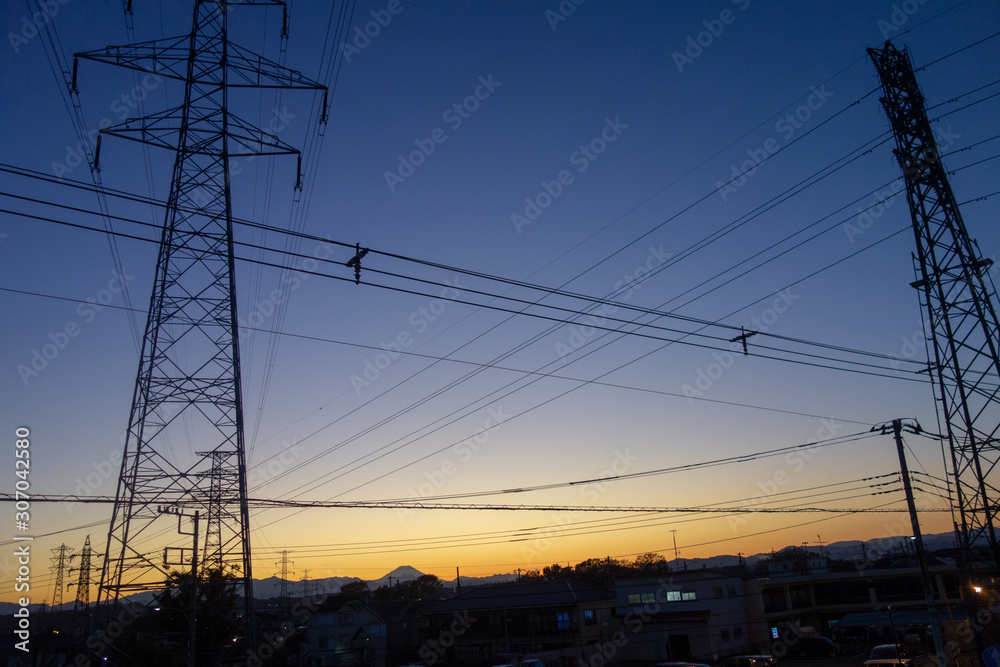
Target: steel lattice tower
(959, 299)
(83, 580)
(81, 608)
(284, 575)
(60, 559)
(185, 445)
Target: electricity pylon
(60, 559)
(81, 608)
(959, 297)
(185, 443)
(284, 575)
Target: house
(346, 631)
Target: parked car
(748, 661)
(814, 646)
(885, 655)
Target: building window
(634, 598)
(737, 632)
(642, 598)
(725, 634)
(673, 596)
(346, 618)
(589, 617)
(718, 592)
(731, 591)
(562, 620)
(689, 595)
(376, 630)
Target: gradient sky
(667, 121)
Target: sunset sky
(726, 162)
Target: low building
(558, 622)
(698, 616)
(346, 631)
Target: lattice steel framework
(60, 561)
(83, 579)
(958, 295)
(185, 443)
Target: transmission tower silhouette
(60, 559)
(81, 608)
(185, 444)
(959, 298)
(284, 575)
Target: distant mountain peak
(403, 573)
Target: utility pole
(188, 384)
(897, 425)
(676, 552)
(193, 610)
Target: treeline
(601, 571)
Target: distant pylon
(60, 559)
(83, 579)
(284, 573)
(185, 444)
(81, 608)
(958, 294)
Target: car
(681, 664)
(888, 655)
(532, 662)
(758, 660)
(815, 646)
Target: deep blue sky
(546, 88)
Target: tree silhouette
(216, 622)
(358, 589)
